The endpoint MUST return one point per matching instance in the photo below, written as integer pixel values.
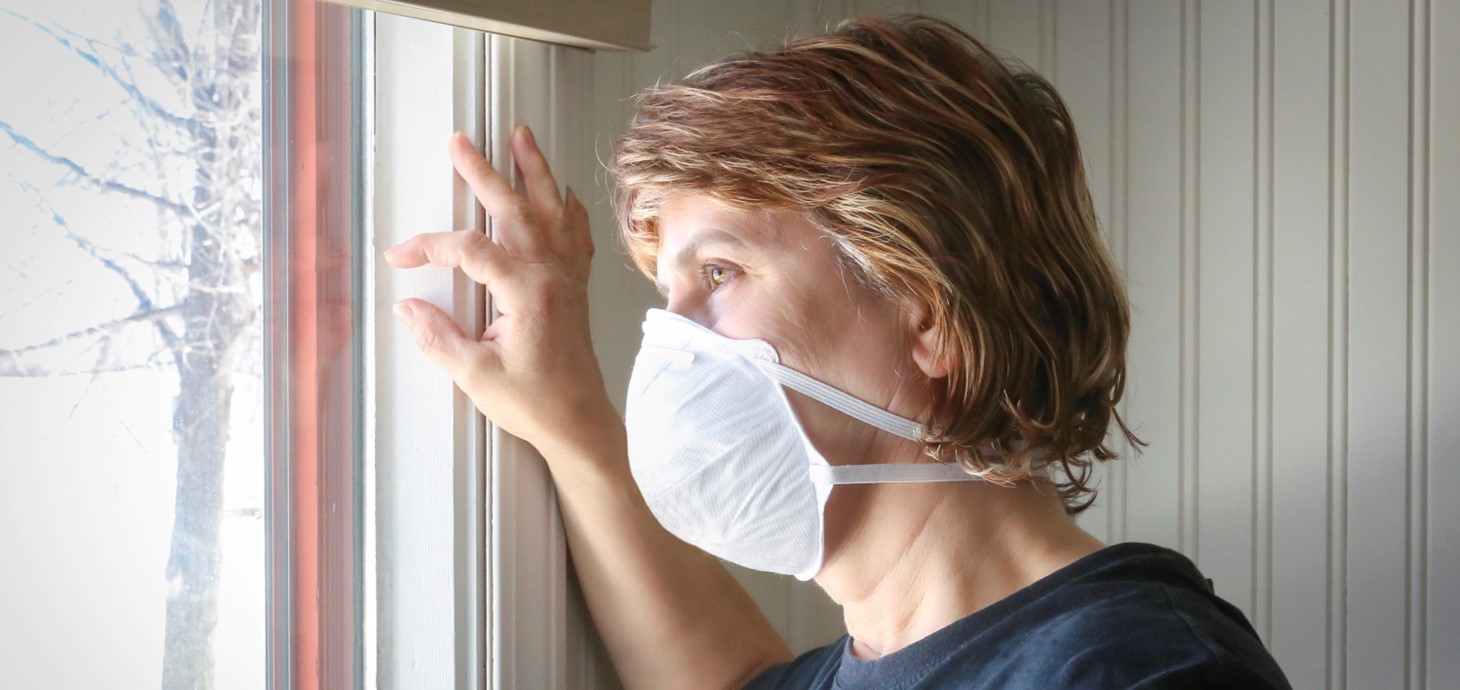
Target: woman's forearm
(670, 615)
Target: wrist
(596, 434)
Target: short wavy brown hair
(942, 173)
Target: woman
(892, 347)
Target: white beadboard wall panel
(1273, 186)
(1419, 210)
(1378, 348)
(1261, 580)
(1226, 294)
(1336, 629)
(1190, 436)
(1418, 334)
(1015, 30)
(1439, 348)
(1299, 338)
(1157, 270)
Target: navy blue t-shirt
(1130, 615)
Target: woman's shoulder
(1129, 615)
(1140, 615)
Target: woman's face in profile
(774, 276)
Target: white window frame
(470, 582)
(315, 427)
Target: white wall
(1279, 187)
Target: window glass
(131, 419)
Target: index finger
(474, 253)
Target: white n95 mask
(722, 460)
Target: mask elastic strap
(897, 473)
(843, 402)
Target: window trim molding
(577, 23)
(472, 544)
(468, 533)
(529, 549)
(430, 452)
(279, 621)
(542, 635)
(314, 216)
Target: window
(222, 463)
(131, 359)
(179, 349)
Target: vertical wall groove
(1338, 347)
(1409, 363)
(1262, 342)
(1120, 216)
(1189, 436)
(1419, 202)
(1048, 43)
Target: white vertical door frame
(442, 509)
(472, 443)
(532, 83)
(430, 442)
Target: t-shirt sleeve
(1172, 647)
(1212, 674)
(813, 669)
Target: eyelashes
(714, 275)
(711, 276)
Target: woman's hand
(670, 615)
(533, 372)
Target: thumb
(438, 336)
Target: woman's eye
(713, 276)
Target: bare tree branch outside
(130, 321)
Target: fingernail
(404, 313)
(527, 135)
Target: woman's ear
(927, 342)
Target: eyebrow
(708, 238)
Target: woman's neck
(906, 560)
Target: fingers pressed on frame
(537, 175)
(474, 253)
(495, 193)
